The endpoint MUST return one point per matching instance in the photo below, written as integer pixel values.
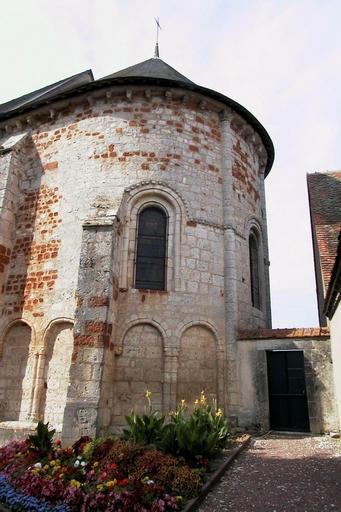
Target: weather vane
(158, 27)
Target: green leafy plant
(42, 440)
(203, 433)
(168, 440)
(195, 437)
(146, 428)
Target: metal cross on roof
(158, 27)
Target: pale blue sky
(280, 59)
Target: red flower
(124, 481)
(113, 466)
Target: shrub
(124, 454)
(203, 433)
(97, 448)
(186, 482)
(42, 440)
(10, 450)
(166, 470)
(79, 445)
(199, 436)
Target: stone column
(171, 356)
(92, 330)
(230, 270)
(39, 381)
(266, 264)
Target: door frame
(305, 396)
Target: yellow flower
(52, 463)
(95, 464)
(148, 394)
(183, 403)
(100, 487)
(219, 413)
(46, 467)
(75, 484)
(111, 483)
(203, 398)
(196, 402)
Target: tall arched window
(151, 246)
(254, 271)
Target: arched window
(151, 246)
(254, 271)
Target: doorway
(287, 391)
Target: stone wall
(15, 371)
(138, 369)
(92, 330)
(315, 344)
(56, 373)
(335, 336)
(197, 369)
(78, 166)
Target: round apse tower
(136, 234)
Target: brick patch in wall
(98, 301)
(5, 254)
(92, 326)
(51, 166)
(242, 172)
(29, 283)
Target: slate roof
(149, 72)
(46, 94)
(324, 190)
(151, 68)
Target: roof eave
(105, 82)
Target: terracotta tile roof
(333, 297)
(325, 212)
(264, 334)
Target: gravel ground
(282, 473)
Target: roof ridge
(153, 67)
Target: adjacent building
(325, 213)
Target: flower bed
(102, 475)
(109, 474)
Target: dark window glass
(254, 271)
(150, 271)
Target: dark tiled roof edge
(45, 94)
